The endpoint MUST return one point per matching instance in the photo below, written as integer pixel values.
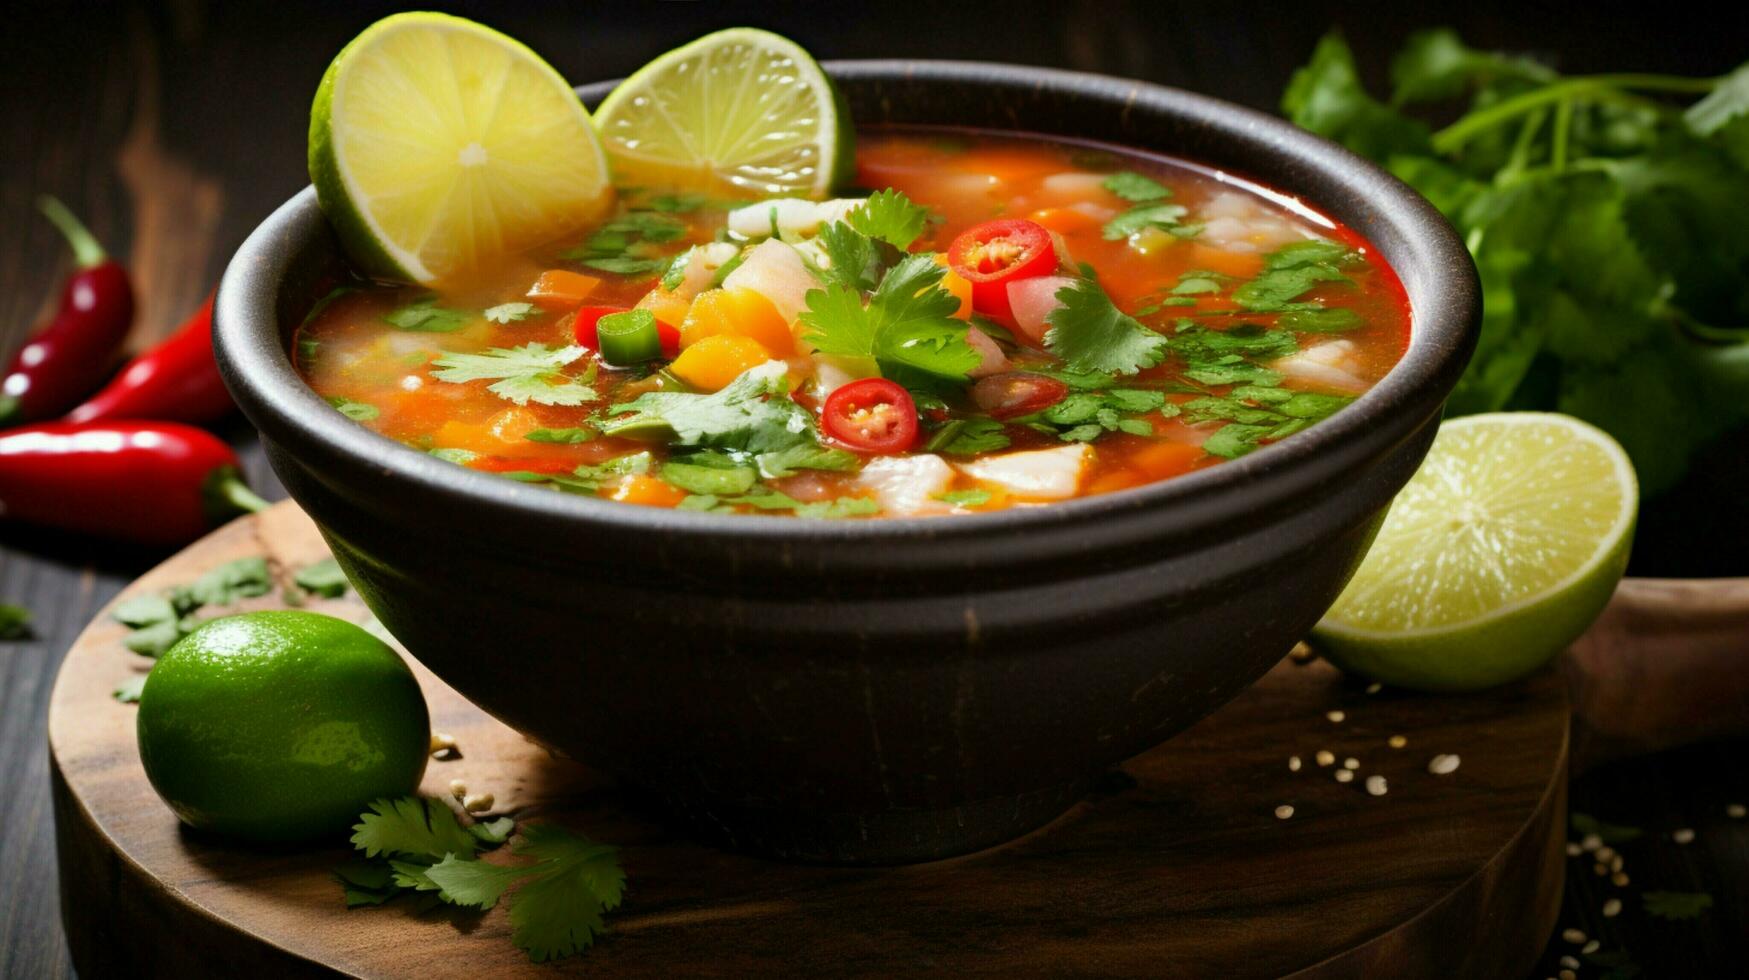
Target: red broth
(1263, 334)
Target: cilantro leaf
(965, 498)
(626, 245)
(1091, 334)
(14, 622)
(1723, 105)
(1135, 187)
(524, 374)
(411, 826)
(754, 413)
(1291, 271)
(706, 477)
(511, 312)
(244, 578)
(852, 254)
(785, 462)
(566, 437)
(908, 322)
(1675, 906)
(356, 411)
(324, 578)
(465, 881)
(891, 217)
(1163, 216)
(1235, 439)
(969, 437)
(425, 316)
(1326, 97)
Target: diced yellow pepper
(737, 312)
(667, 307)
(562, 289)
(713, 362)
(958, 285)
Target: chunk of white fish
(791, 215)
(1333, 364)
(1237, 222)
(908, 485)
(1036, 474)
(774, 270)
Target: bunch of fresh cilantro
(1607, 220)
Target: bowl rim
(1432, 262)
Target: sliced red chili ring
(872, 415)
(996, 253)
(589, 316)
(1017, 393)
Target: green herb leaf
(460, 457)
(965, 498)
(564, 437)
(1163, 216)
(559, 911)
(754, 413)
(511, 312)
(908, 323)
(425, 316)
(356, 411)
(785, 462)
(969, 437)
(1676, 906)
(1091, 334)
(1292, 271)
(1135, 187)
(324, 578)
(1326, 97)
(709, 478)
(411, 826)
(527, 373)
(128, 691)
(1584, 824)
(891, 217)
(852, 255)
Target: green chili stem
(231, 490)
(87, 251)
(1584, 87)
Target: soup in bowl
(900, 624)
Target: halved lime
(1502, 549)
(741, 111)
(438, 145)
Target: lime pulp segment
(741, 110)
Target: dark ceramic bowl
(889, 690)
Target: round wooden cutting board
(1180, 867)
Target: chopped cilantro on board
(1091, 334)
(157, 621)
(1605, 219)
(323, 578)
(908, 323)
(522, 374)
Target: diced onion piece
(993, 360)
(832, 372)
(1074, 186)
(702, 264)
(907, 485)
(793, 215)
(774, 270)
(1039, 474)
(1033, 300)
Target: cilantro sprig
(521, 374)
(629, 244)
(1090, 333)
(907, 324)
(753, 413)
(557, 898)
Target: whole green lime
(280, 726)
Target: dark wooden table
(174, 128)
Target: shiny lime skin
(280, 726)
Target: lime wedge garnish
(438, 146)
(1501, 550)
(741, 111)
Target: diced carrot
(668, 307)
(1006, 164)
(1115, 481)
(1165, 459)
(1065, 221)
(711, 363)
(647, 490)
(503, 431)
(561, 289)
(1239, 265)
(737, 313)
(958, 285)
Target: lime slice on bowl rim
(1501, 550)
(740, 111)
(438, 145)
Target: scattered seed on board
(1683, 836)
(1302, 654)
(1375, 785)
(443, 747)
(1345, 775)
(1615, 863)
(1396, 741)
(1374, 688)
(1591, 842)
(1736, 811)
(1336, 717)
(1574, 850)
(1619, 879)
(478, 803)
(1605, 854)
(1570, 962)
(1325, 757)
(1293, 763)
(457, 788)
(1612, 908)
(1443, 765)
(1351, 763)
(1591, 947)
(1574, 936)
(1600, 869)
(1567, 975)
(1283, 812)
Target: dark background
(174, 128)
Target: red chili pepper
(71, 354)
(176, 381)
(872, 415)
(996, 253)
(1017, 393)
(152, 482)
